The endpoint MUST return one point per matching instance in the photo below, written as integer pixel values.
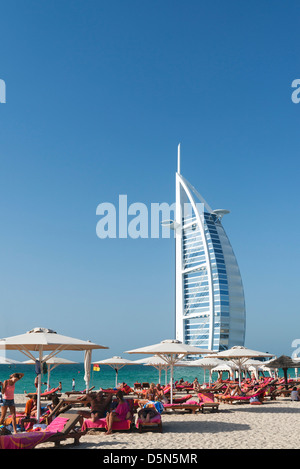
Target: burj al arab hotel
(210, 304)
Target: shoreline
(273, 425)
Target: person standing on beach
(73, 384)
(8, 391)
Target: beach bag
(4, 430)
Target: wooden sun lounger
(47, 395)
(30, 440)
(192, 408)
(155, 424)
(69, 430)
(71, 393)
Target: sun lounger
(215, 389)
(66, 428)
(61, 428)
(190, 406)
(46, 395)
(155, 424)
(71, 393)
(246, 399)
(182, 399)
(207, 402)
(124, 425)
(76, 401)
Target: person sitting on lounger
(31, 407)
(98, 403)
(295, 394)
(119, 414)
(160, 392)
(196, 384)
(55, 402)
(152, 394)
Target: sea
(104, 378)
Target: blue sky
(98, 96)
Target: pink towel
(101, 423)
(206, 398)
(156, 419)
(24, 440)
(57, 425)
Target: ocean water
(105, 378)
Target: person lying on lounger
(147, 413)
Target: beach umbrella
(207, 363)
(8, 361)
(116, 363)
(42, 339)
(226, 366)
(254, 366)
(87, 368)
(51, 363)
(172, 351)
(284, 362)
(296, 359)
(156, 362)
(239, 355)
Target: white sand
(273, 425)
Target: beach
(272, 425)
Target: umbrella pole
(39, 390)
(116, 377)
(48, 378)
(285, 374)
(171, 381)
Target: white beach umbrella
(254, 366)
(116, 363)
(8, 361)
(41, 339)
(87, 368)
(160, 364)
(207, 363)
(157, 362)
(239, 355)
(172, 351)
(296, 359)
(227, 365)
(51, 363)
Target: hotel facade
(210, 304)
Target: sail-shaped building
(210, 304)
